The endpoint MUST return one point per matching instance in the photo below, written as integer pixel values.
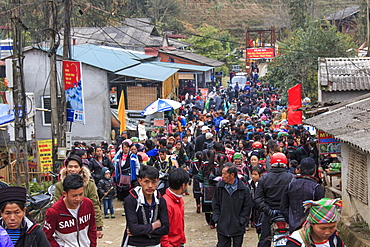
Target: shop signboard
(328, 144)
(45, 155)
(260, 53)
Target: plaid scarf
(322, 211)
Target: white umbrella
(161, 105)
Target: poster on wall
(328, 144)
(45, 155)
(113, 96)
(72, 74)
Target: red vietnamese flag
(295, 102)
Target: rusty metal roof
(348, 122)
(344, 74)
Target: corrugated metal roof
(186, 67)
(348, 122)
(194, 57)
(340, 15)
(148, 71)
(108, 59)
(344, 74)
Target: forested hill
(236, 15)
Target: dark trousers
(224, 241)
(265, 238)
(108, 204)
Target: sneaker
(123, 214)
(112, 216)
(198, 209)
(106, 216)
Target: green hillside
(236, 15)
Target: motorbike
(38, 203)
(280, 230)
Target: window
(357, 175)
(46, 115)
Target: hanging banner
(45, 155)
(72, 74)
(260, 53)
(294, 103)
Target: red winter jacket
(63, 229)
(176, 214)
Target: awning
(148, 71)
(182, 66)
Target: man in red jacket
(178, 181)
(71, 220)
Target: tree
(297, 62)
(299, 12)
(211, 42)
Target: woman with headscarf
(320, 227)
(127, 169)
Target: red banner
(294, 103)
(257, 53)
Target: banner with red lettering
(72, 74)
(328, 144)
(294, 103)
(259, 53)
(45, 155)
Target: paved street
(197, 231)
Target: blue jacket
(300, 189)
(5, 239)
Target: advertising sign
(328, 144)
(260, 53)
(45, 155)
(72, 74)
(204, 92)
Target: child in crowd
(256, 174)
(293, 166)
(108, 192)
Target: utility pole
(19, 97)
(367, 28)
(53, 86)
(66, 56)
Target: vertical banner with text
(72, 74)
(45, 155)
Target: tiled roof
(134, 32)
(344, 74)
(340, 15)
(348, 122)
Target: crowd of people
(236, 149)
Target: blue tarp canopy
(6, 115)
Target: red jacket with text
(63, 229)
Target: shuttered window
(46, 115)
(357, 175)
